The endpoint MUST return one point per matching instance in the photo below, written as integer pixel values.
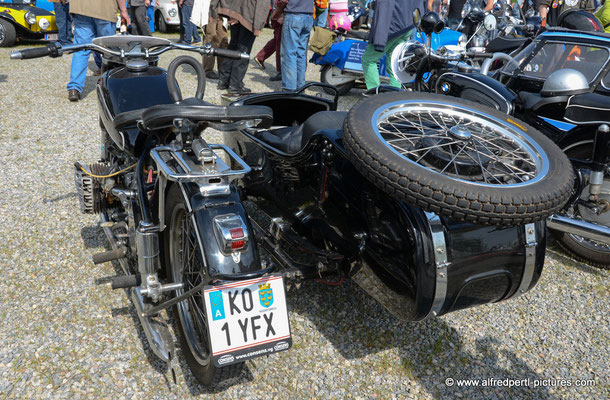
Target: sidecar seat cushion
(588, 108)
(322, 121)
(286, 140)
(504, 45)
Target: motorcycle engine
(90, 189)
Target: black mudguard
(478, 88)
(204, 209)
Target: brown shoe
(259, 63)
(73, 95)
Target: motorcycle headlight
(172, 12)
(30, 18)
(466, 10)
(44, 24)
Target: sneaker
(212, 75)
(259, 63)
(241, 90)
(276, 78)
(73, 95)
(223, 86)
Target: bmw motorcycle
(429, 205)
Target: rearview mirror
(416, 18)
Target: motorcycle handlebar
(236, 55)
(49, 50)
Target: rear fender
(478, 88)
(203, 210)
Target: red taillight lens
(238, 244)
(237, 233)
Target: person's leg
(277, 35)
(142, 23)
(266, 51)
(60, 21)
(227, 65)
(84, 32)
(290, 37)
(150, 15)
(321, 17)
(134, 21)
(223, 41)
(244, 45)
(369, 66)
(181, 24)
(389, 48)
(186, 15)
(302, 48)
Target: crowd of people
(292, 22)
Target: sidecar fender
(478, 88)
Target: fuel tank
(125, 89)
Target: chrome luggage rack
(212, 175)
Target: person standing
(247, 18)
(190, 29)
(298, 22)
(91, 20)
(274, 45)
(321, 13)
(216, 34)
(150, 15)
(63, 19)
(139, 22)
(392, 25)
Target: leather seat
(292, 139)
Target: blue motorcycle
(342, 65)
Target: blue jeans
(190, 29)
(321, 17)
(85, 30)
(63, 19)
(150, 11)
(295, 35)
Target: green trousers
(371, 57)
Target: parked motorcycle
(431, 206)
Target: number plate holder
(247, 319)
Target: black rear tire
(534, 177)
(189, 315)
(8, 35)
(161, 25)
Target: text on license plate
(247, 319)
(51, 36)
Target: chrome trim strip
(530, 260)
(440, 262)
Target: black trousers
(139, 22)
(232, 71)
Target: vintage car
(166, 15)
(21, 20)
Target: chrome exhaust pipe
(579, 227)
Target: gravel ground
(62, 336)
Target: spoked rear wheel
(184, 263)
(457, 158)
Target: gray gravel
(62, 336)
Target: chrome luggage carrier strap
(440, 262)
(530, 260)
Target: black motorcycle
(429, 205)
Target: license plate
(247, 319)
(51, 36)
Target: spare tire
(457, 158)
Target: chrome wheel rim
(1, 33)
(187, 267)
(461, 143)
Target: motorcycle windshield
(553, 56)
